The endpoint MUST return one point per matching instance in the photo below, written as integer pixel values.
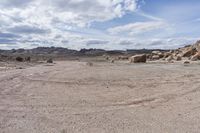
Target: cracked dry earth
(71, 97)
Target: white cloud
(14, 3)
(138, 27)
(78, 12)
(32, 23)
(151, 17)
(87, 11)
(40, 21)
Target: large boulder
(167, 54)
(189, 52)
(197, 45)
(186, 62)
(155, 57)
(169, 59)
(138, 58)
(157, 53)
(178, 58)
(112, 61)
(195, 57)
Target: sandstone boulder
(113, 61)
(169, 59)
(195, 57)
(161, 55)
(178, 58)
(167, 54)
(138, 58)
(197, 45)
(155, 57)
(155, 52)
(189, 52)
(186, 62)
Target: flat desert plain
(73, 97)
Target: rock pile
(189, 53)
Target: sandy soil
(71, 97)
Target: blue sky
(105, 24)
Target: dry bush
(20, 59)
(50, 61)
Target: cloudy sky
(107, 24)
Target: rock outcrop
(189, 52)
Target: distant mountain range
(70, 52)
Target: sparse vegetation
(89, 64)
(19, 59)
(50, 61)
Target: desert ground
(73, 97)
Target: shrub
(20, 59)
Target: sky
(104, 24)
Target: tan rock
(169, 59)
(195, 57)
(155, 57)
(156, 52)
(138, 58)
(113, 61)
(123, 57)
(167, 54)
(178, 58)
(160, 54)
(186, 62)
(189, 52)
(197, 45)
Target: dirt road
(71, 97)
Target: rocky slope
(187, 53)
(190, 52)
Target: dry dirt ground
(72, 97)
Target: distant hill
(70, 52)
